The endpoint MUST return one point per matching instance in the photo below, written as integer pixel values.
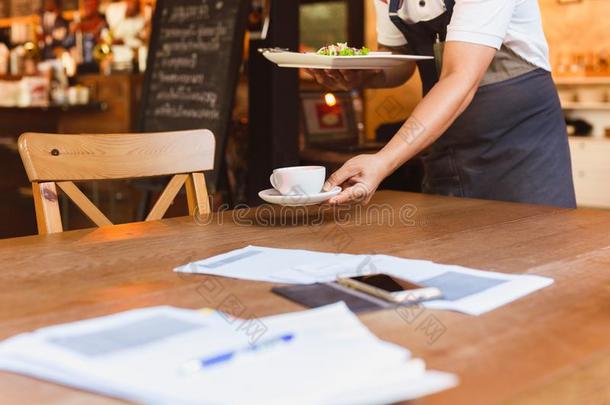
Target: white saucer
(273, 196)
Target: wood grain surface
(550, 347)
(54, 160)
(57, 157)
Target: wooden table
(550, 347)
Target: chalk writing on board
(180, 62)
(167, 110)
(208, 98)
(182, 14)
(174, 78)
(195, 55)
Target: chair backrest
(53, 160)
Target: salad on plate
(341, 49)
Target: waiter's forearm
(442, 105)
(430, 119)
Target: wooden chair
(53, 161)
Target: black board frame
(273, 130)
(236, 59)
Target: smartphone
(391, 288)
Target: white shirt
(514, 23)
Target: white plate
(273, 196)
(374, 60)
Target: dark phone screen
(387, 283)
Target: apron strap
(421, 38)
(395, 18)
(395, 5)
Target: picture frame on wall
(328, 118)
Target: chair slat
(53, 160)
(52, 157)
(197, 194)
(85, 205)
(46, 203)
(166, 198)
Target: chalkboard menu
(193, 66)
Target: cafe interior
(137, 138)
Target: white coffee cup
(299, 180)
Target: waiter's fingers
(317, 75)
(342, 198)
(337, 77)
(341, 176)
(349, 80)
(310, 72)
(323, 79)
(356, 78)
(334, 79)
(335, 74)
(358, 193)
(351, 77)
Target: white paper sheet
(470, 291)
(139, 356)
(266, 264)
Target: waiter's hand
(342, 80)
(359, 178)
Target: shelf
(30, 19)
(586, 106)
(6, 22)
(68, 15)
(91, 107)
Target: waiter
(490, 120)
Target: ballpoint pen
(196, 365)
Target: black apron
(511, 143)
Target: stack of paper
(167, 355)
(473, 292)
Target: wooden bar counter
(550, 347)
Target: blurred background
(84, 66)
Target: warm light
(330, 99)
